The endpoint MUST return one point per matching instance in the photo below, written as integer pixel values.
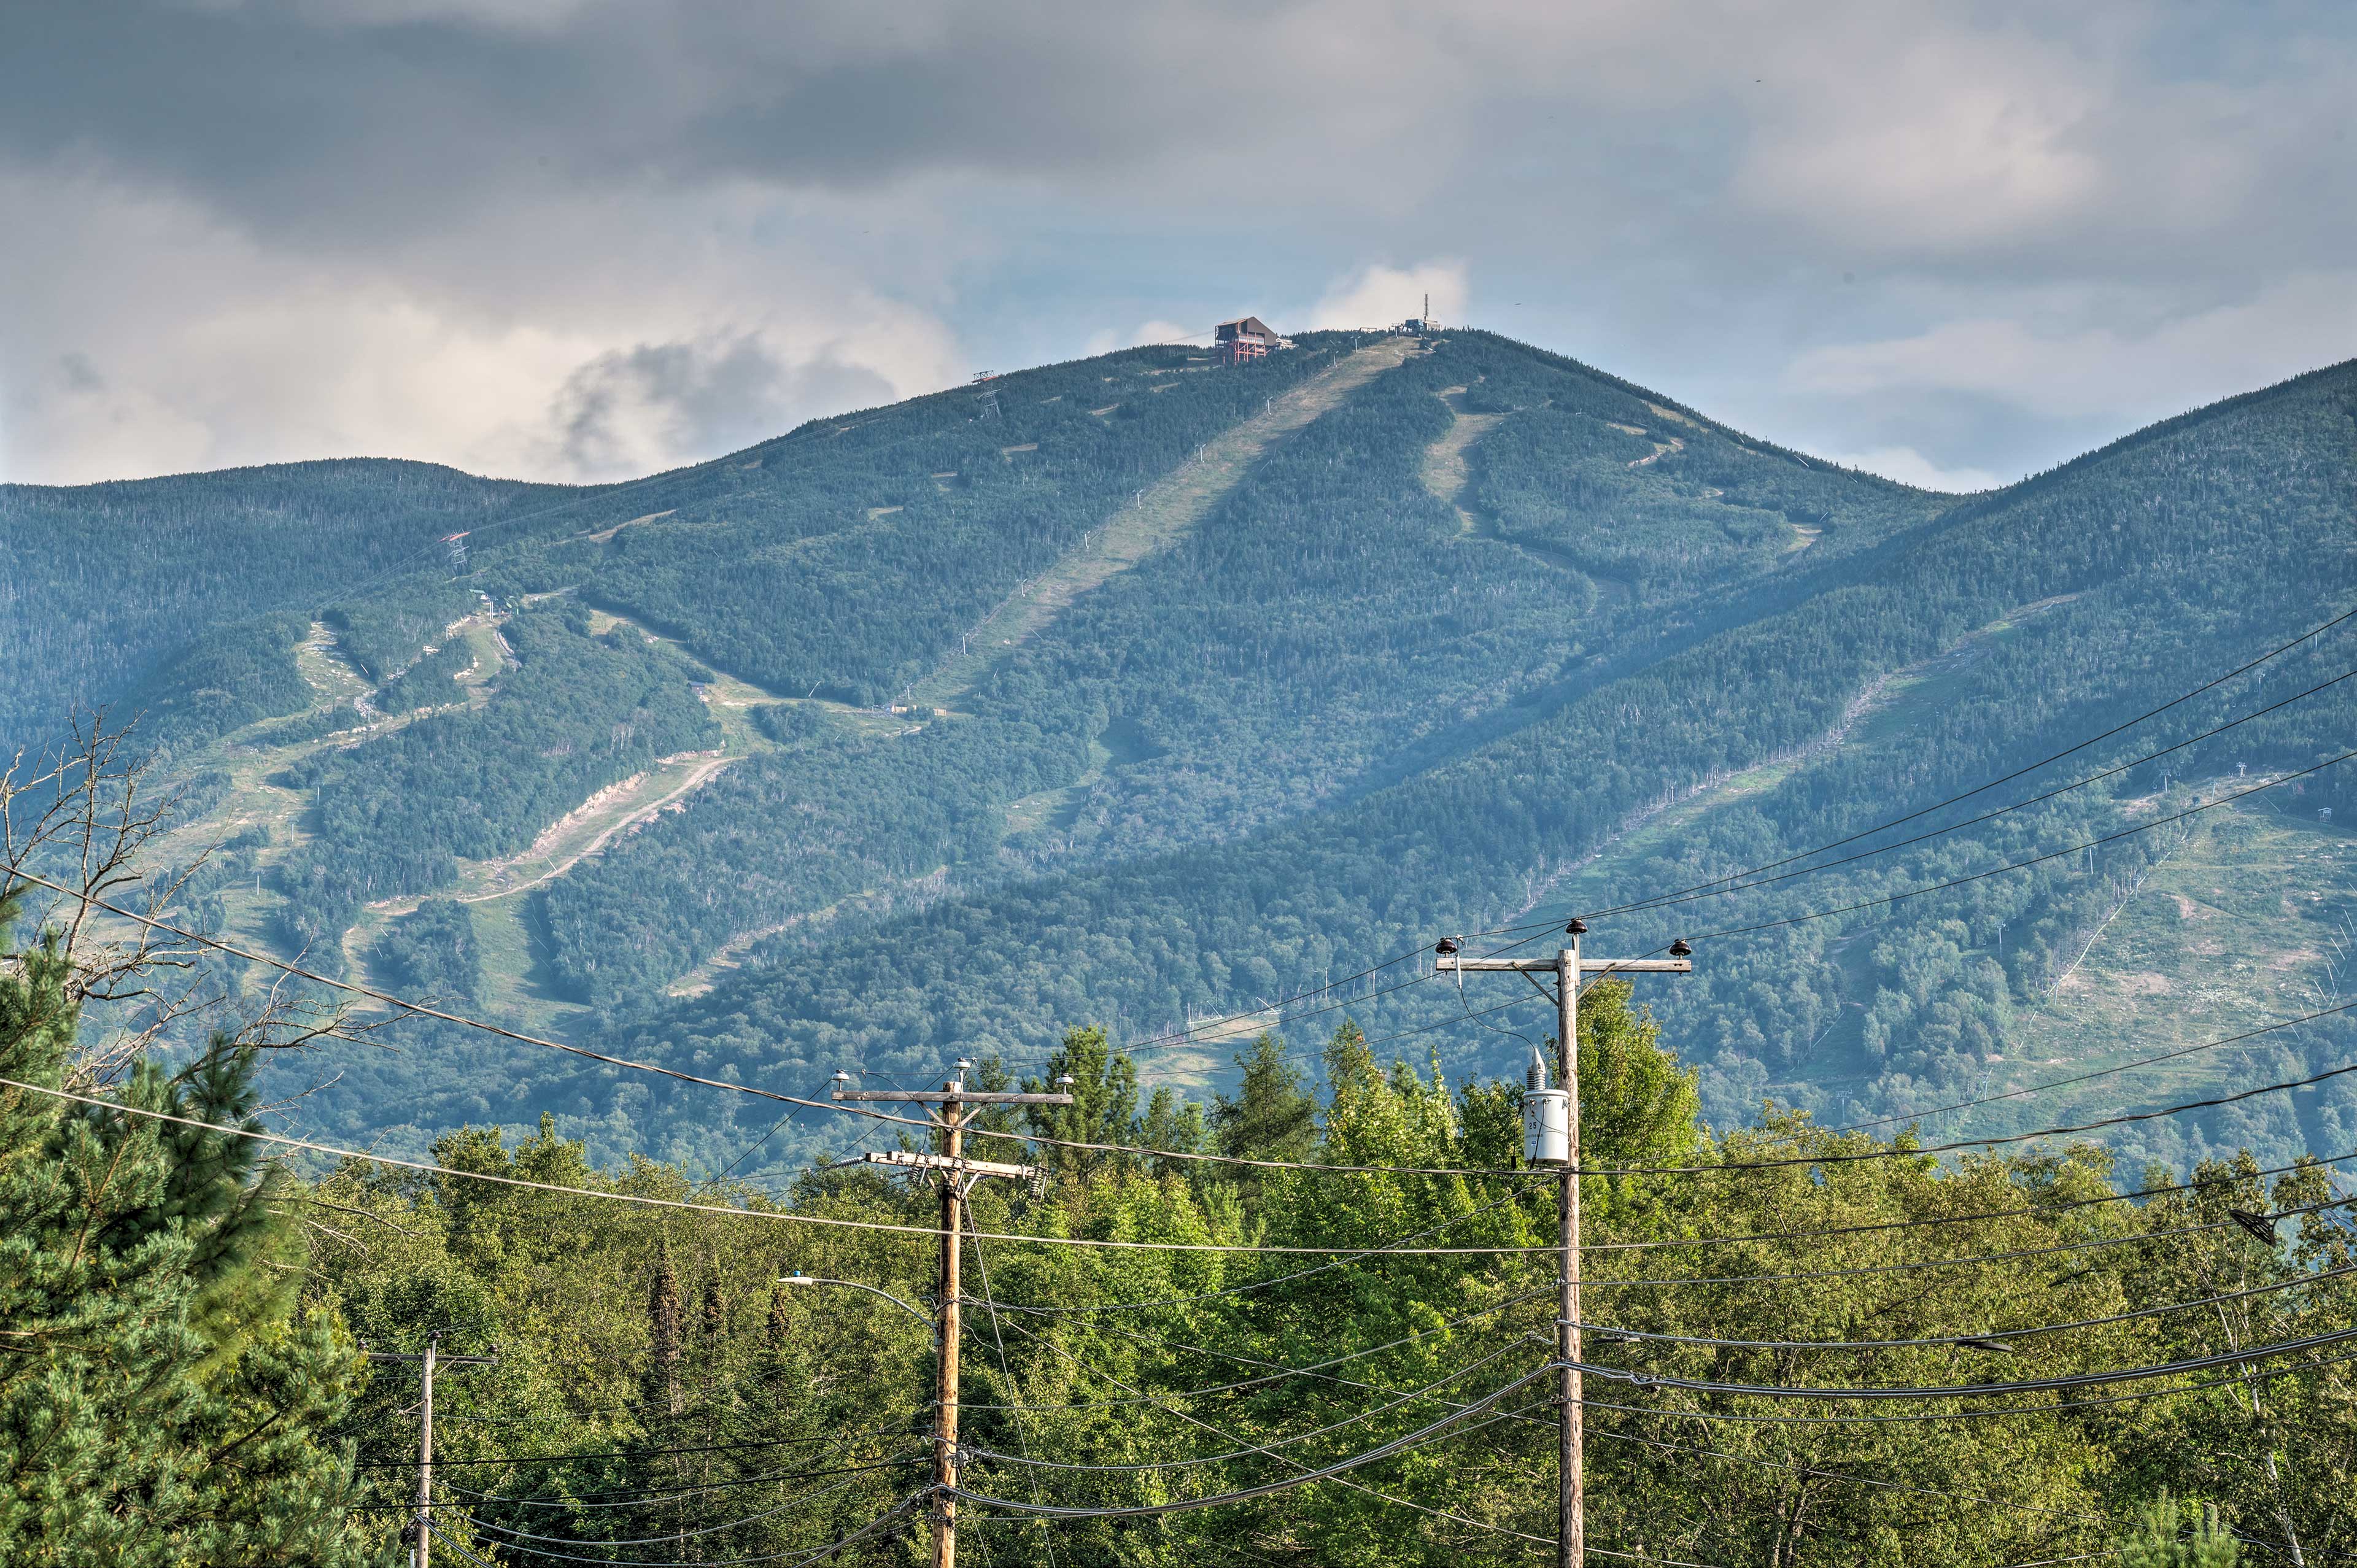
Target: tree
(162, 1400)
(2178, 1532)
(1272, 1116)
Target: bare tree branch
(93, 818)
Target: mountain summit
(1193, 696)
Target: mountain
(1142, 691)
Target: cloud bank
(575, 239)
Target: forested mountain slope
(1137, 691)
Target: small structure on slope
(1247, 338)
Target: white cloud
(578, 353)
(1909, 466)
(2074, 369)
(526, 233)
(1378, 296)
(1946, 138)
(1158, 330)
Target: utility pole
(1552, 1135)
(421, 1546)
(958, 1176)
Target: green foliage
(231, 677)
(432, 951)
(864, 550)
(1272, 1115)
(129, 572)
(1147, 1377)
(162, 1402)
(2178, 1532)
(394, 813)
(1353, 703)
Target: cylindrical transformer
(1546, 1126)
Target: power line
(788, 1216)
(1424, 1434)
(641, 1498)
(2035, 860)
(2061, 1380)
(811, 1554)
(1610, 1332)
(1410, 1397)
(1040, 1139)
(1804, 1470)
(1352, 1485)
(982, 1267)
(684, 1534)
(2086, 1077)
(1278, 1371)
(1375, 1251)
(2059, 1207)
(2060, 1406)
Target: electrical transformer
(1547, 1118)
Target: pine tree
(161, 1399)
(1272, 1116)
(2178, 1532)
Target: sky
(571, 240)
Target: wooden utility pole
(1571, 1502)
(958, 1176)
(421, 1548)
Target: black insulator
(1445, 945)
(1680, 950)
(1579, 928)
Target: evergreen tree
(161, 1399)
(1272, 1116)
(2178, 1532)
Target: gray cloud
(1845, 226)
(627, 410)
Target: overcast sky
(572, 239)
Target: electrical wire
(982, 1267)
(673, 1203)
(813, 1555)
(620, 1454)
(1352, 1485)
(1513, 1198)
(2061, 1207)
(1610, 1332)
(684, 1534)
(1427, 1434)
(782, 1216)
(1730, 885)
(423, 1011)
(1410, 1397)
(1806, 1470)
(2060, 1406)
(2084, 1077)
(1890, 899)
(2226, 800)
(1977, 1390)
(1040, 1139)
(640, 1498)
(1278, 1371)
(2273, 653)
